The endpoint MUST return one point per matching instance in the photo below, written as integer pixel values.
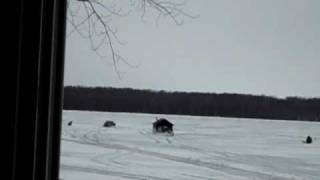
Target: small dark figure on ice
(69, 123)
(308, 140)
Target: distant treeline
(191, 103)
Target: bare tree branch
(92, 19)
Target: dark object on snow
(69, 123)
(109, 124)
(162, 126)
(309, 140)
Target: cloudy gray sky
(269, 47)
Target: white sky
(269, 47)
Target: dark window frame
(36, 91)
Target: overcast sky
(269, 47)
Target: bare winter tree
(92, 19)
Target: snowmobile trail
(204, 148)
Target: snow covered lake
(202, 148)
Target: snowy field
(202, 148)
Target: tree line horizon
(112, 99)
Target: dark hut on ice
(109, 124)
(162, 125)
